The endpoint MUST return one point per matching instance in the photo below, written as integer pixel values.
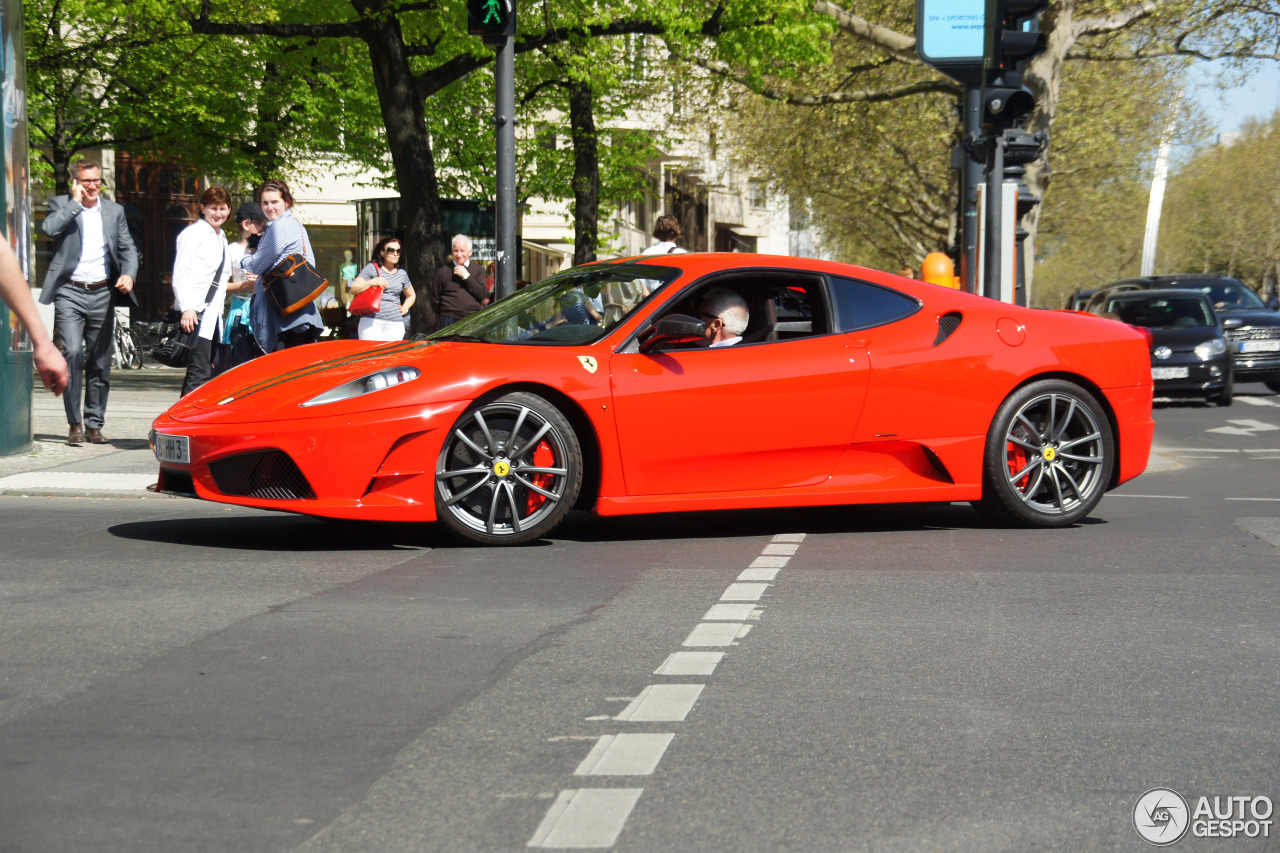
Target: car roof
(1181, 280)
(1158, 293)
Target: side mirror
(674, 329)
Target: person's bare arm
(17, 295)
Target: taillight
(1146, 333)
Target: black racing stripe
(345, 361)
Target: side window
(860, 305)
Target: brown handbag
(291, 284)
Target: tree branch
(865, 96)
(902, 47)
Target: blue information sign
(950, 35)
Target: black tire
(1224, 397)
(1048, 458)
(1272, 383)
(490, 489)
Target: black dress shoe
(96, 436)
(76, 435)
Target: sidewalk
(122, 468)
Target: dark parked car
(1189, 355)
(1078, 300)
(1252, 330)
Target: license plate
(1260, 346)
(173, 448)
(1170, 372)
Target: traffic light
(1007, 51)
(491, 18)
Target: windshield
(1232, 297)
(578, 306)
(1161, 311)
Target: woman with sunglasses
(397, 293)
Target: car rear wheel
(1224, 397)
(509, 471)
(1048, 458)
(1273, 383)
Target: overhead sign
(951, 36)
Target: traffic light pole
(993, 242)
(505, 121)
(970, 179)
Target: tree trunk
(586, 174)
(403, 113)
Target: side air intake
(947, 324)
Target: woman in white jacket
(201, 255)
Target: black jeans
(200, 370)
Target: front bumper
(379, 466)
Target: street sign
(950, 36)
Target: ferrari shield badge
(588, 363)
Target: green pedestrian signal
(491, 18)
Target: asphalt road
(182, 676)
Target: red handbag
(369, 300)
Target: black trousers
(200, 370)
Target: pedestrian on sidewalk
(238, 330)
(384, 271)
(93, 267)
(16, 293)
(667, 232)
(284, 236)
(459, 286)
(200, 264)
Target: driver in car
(726, 316)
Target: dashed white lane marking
(690, 663)
(1162, 497)
(1198, 450)
(74, 480)
(781, 549)
(662, 703)
(1244, 426)
(716, 634)
(625, 755)
(594, 817)
(1251, 499)
(1257, 401)
(730, 612)
(586, 818)
(744, 592)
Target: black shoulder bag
(176, 345)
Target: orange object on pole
(938, 269)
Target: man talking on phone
(94, 263)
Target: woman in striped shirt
(284, 236)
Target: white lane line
(789, 537)
(1262, 450)
(661, 703)
(1251, 499)
(1197, 450)
(1163, 497)
(1186, 456)
(625, 755)
(744, 592)
(758, 574)
(715, 634)
(690, 663)
(1257, 401)
(75, 480)
(781, 549)
(586, 818)
(730, 612)
(770, 562)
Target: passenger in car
(726, 316)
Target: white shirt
(93, 247)
(727, 342)
(200, 250)
(664, 248)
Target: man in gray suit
(93, 266)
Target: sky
(1258, 96)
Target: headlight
(366, 385)
(1209, 349)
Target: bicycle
(127, 353)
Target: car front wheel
(1049, 456)
(509, 472)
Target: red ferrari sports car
(597, 388)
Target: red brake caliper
(542, 458)
(1016, 456)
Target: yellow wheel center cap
(501, 468)
(1049, 454)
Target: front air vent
(947, 324)
(266, 475)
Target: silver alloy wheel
(507, 470)
(1055, 455)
